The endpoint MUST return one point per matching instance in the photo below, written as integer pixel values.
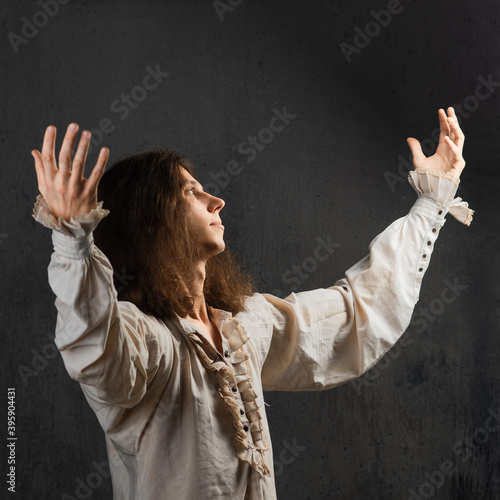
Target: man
(175, 360)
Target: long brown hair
(146, 240)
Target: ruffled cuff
(441, 187)
(73, 239)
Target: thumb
(416, 150)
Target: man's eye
(191, 190)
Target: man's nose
(217, 203)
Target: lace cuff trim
(78, 225)
(253, 453)
(436, 185)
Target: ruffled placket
(250, 443)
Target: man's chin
(222, 247)
(217, 249)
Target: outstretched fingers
(443, 125)
(454, 148)
(45, 163)
(65, 189)
(48, 150)
(80, 158)
(457, 163)
(98, 170)
(456, 135)
(66, 153)
(40, 172)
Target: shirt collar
(219, 316)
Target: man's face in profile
(204, 220)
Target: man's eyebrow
(190, 183)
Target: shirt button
(424, 256)
(226, 354)
(434, 229)
(440, 212)
(242, 412)
(234, 389)
(420, 269)
(245, 428)
(429, 243)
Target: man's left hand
(448, 156)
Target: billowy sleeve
(107, 345)
(322, 338)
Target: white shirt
(183, 421)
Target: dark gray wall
(324, 175)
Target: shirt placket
(226, 357)
(215, 356)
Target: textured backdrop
(347, 82)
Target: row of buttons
(234, 389)
(429, 243)
(241, 411)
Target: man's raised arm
(322, 338)
(105, 345)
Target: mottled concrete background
(350, 81)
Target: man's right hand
(64, 189)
